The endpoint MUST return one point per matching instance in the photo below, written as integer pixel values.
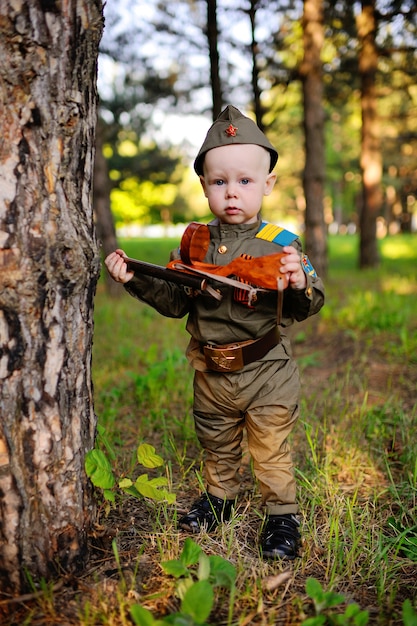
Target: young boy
(261, 392)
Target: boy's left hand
(291, 266)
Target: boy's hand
(291, 266)
(117, 267)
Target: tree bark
(371, 159)
(314, 169)
(49, 266)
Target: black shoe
(281, 537)
(208, 511)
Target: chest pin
(222, 249)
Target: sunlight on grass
(399, 247)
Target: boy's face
(236, 177)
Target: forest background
(331, 83)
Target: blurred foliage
(155, 64)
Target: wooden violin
(262, 271)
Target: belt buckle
(224, 359)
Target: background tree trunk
(314, 169)
(256, 91)
(371, 159)
(49, 265)
(105, 228)
(213, 41)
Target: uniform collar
(217, 229)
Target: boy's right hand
(117, 267)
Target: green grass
(355, 453)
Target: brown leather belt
(233, 356)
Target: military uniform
(245, 375)
(263, 395)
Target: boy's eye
(219, 182)
(244, 181)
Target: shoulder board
(276, 234)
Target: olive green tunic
(263, 396)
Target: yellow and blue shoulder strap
(275, 234)
(282, 237)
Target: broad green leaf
(141, 616)
(314, 589)
(159, 481)
(352, 615)
(191, 552)
(125, 483)
(174, 568)
(109, 495)
(147, 456)
(332, 598)
(222, 572)
(198, 601)
(149, 489)
(132, 491)
(99, 470)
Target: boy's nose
(231, 191)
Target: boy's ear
(203, 184)
(269, 183)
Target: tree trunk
(213, 41)
(256, 91)
(314, 169)
(49, 265)
(371, 159)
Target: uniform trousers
(264, 398)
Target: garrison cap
(232, 127)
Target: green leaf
(99, 470)
(203, 567)
(147, 456)
(332, 598)
(314, 589)
(109, 495)
(315, 621)
(222, 572)
(198, 601)
(150, 489)
(322, 599)
(409, 615)
(125, 483)
(183, 585)
(141, 616)
(174, 568)
(352, 615)
(132, 491)
(362, 618)
(178, 619)
(191, 552)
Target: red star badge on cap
(231, 130)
